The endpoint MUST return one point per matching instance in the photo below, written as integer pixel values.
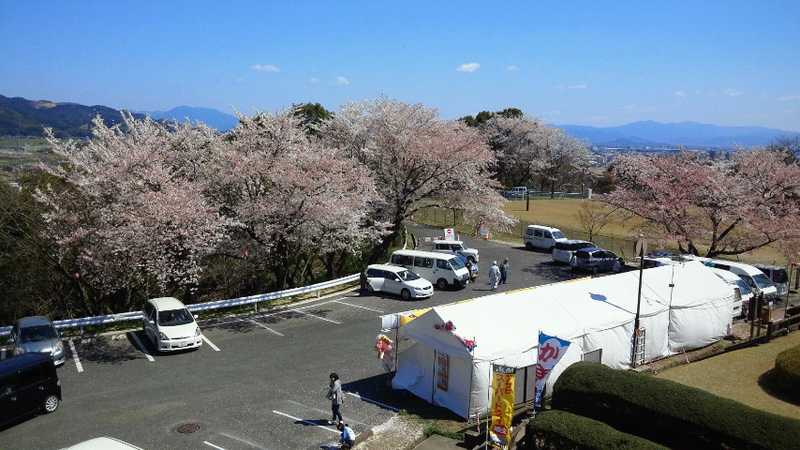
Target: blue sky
(593, 62)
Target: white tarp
(683, 306)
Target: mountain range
(650, 133)
(211, 117)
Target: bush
(787, 371)
(563, 430)
(669, 413)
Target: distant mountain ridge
(211, 117)
(681, 133)
(22, 117)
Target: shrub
(787, 371)
(563, 430)
(669, 413)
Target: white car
(397, 280)
(169, 325)
(564, 251)
(441, 269)
(455, 248)
(542, 237)
(103, 443)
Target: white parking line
(314, 315)
(210, 344)
(75, 357)
(141, 347)
(212, 445)
(375, 402)
(254, 322)
(323, 412)
(307, 422)
(357, 306)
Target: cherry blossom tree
(417, 160)
(726, 208)
(130, 214)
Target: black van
(28, 384)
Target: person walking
(336, 398)
(363, 280)
(347, 438)
(504, 271)
(494, 276)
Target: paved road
(263, 389)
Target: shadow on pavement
(378, 389)
(106, 350)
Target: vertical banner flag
(551, 349)
(502, 404)
(449, 234)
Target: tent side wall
(700, 325)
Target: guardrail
(208, 306)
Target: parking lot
(258, 381)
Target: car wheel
(529, 246)
(50, 403)
(370, 289)
(441, 284)
(594, 270)
(405, 294)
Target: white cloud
(578, 86)
(468, 67)
(313, 80)
(680, 94)
(265, 68)
(342, 81)
(789, 98)
(732, 92)
(512, 68)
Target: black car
(28, 384)
(596, 260)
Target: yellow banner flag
(502, 405)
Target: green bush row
(787, 371)
(670, 413)
(563, 430)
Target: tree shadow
(107, 350)
(378, 391)
(553, 271)
(775, 387)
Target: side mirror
(195, 316)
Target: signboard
(551, 349)
(502, 405)
(449, 234)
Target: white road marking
(307, 422)
(212, 445)
(328, 412)
(210, 344)
(75, 357)
(142, 347)
(314, 315)
(358, 306)
(375, 402)
(254, 322)
(244, 441)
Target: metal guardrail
(208, 306)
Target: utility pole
(528, 200)
(640, 247)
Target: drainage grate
(188, 428)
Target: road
(265, 386)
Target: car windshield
(744, 288)
(456, 263)
(174, 317)
(762, 281)
(558, 235)
(408, 275)
(37, 333)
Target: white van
(755, 278)
(743, 291)
(440, 269)
(455, 248)
(542, 237)
(169, 325)
(397, 280)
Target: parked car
(542, 238)
(169, 325)
(743, 291)
(28, 384)
(778, 276)
(517, 192)
(438, 268)
(597, 260)
(103, 443)
(758, 282)
(37, 334)
(564, 251)
(455, 248)
(397, 280)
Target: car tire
(50, 403)
(370, 289)
(405, 294)
(594, 270)
(441, 284)
(529, 246)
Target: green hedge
(563, 430)
(669, 413)
(787, 371)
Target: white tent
(683, 306)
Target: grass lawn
(735, 375)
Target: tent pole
(469, 396)
(638, 308)
(489, 405)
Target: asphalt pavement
(258, 382)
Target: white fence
(219, 304)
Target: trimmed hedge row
(787, 370)
(670, 413)
(563, 430)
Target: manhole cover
(188, 428)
